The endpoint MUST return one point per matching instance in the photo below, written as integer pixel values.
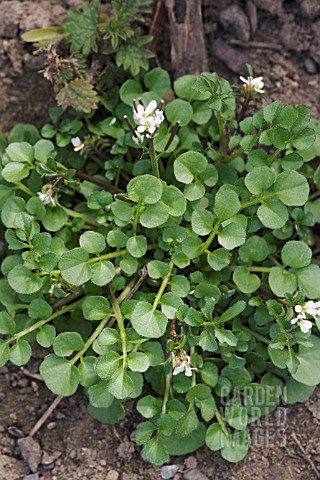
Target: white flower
(77, 144)
(47, 199)
(182, 364)
(310, 308)
(112, 121)
(252, 85)
(305, 325)
(138, 138)
(149, 118)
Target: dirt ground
(285, 445)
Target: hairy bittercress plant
(184, 277)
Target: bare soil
(285, 445)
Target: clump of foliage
(91, 36)
(164, 253)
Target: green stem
(166, 392)
(257, 335)
(120, 322)
(107, 256)
(274, 157)
(220, 421)
(193, 378)
(136, 218)
(256, 200)
(24, 189)
(39, 324)
(223, 138)
(163, 286)
(234, 155)
(210, 239)
(254, 269)
(314, 195)
(153, 156)
(87, 218)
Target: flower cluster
(253, 85)
(309, 308)
(46, 196)
(77, 144)
(148, 118)
(182, 363)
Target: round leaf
(188, 165)
(59, 375)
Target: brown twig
(98, 181)
(305, 455)
(64, 301)
(45, 416)
(258, 45)
(26, 372)
(157, 23)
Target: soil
(73, 446)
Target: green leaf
(236, 447)
(22, 280)
(296, 392)
(108, 336)
(270, 112)
(137, 246)
(170, 302)
(233, 311)
(215, 438)
(273, 214)
(12, 214)
(246, 282)
(155, 452)
(236, 415)
(239, 377)
(20, 353)
(209, 374)
(121, 385)
(42, 35)
(59, 375)
(201, 221)
(309, 280)
(4, 352)
(14, 172)
(157, 80)
(227, 203)
(259, 180)
(81, 28)
(198, 393)
(138, 362)
(232, 236)
(79, 94)
(296, 254)
(207, 341)
(74, 267)
(95, 307)
(304, 140)
(219, 259)
(291, 188)
(66, 343)
(21, 152)
(226, 336)
(174, 200)
(129, 91)
(55, 219)
(92, 242)
(132, 56)
(39, 308)
(7, 324)
(110, 415)
(179, 110)
(187, 424)
(201, 113)
(154, 352)
(157, 269)
(308, 371)
(46, 336)
(145, 188)
(149, 406)
(282, 281)
(148, 322)
(155, 215)
(190, 87)
(99, 397)
(254, 250)
(107, 365)
(143, 432)
(189, 444)
(87, 372)
(188, 165)
(102, 272)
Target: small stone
(30, 451)
(310, 65)
(112, 475)
(195, 474)
(15, 432)
(48, 459)
(191, 462)
(34, 476)
(51, 425)
(235, 21)
(169, 471)
(103, 463)
(3, 370)
(73, 454)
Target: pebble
(31, 452)
(103, 463)
(33, 476)
(15, 432)
(195, 474)
(169, 471)
(51, 425)
(310, 66)
(73, 454)
(235, 20)
(112, 475)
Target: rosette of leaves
(209, 260)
